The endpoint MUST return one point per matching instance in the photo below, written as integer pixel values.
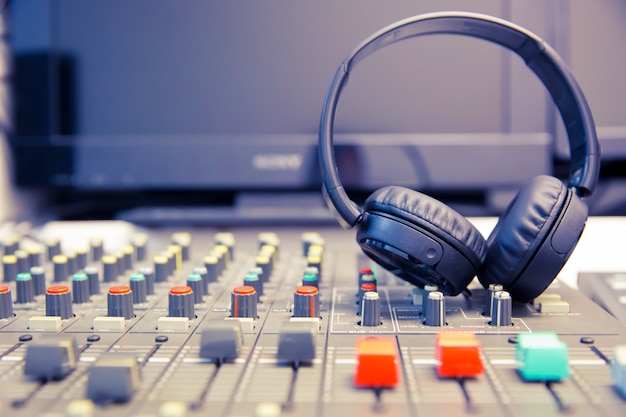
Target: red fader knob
(377, 363)
(458, 355)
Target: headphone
(423, 241)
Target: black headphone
(423, 241)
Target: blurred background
(203, 111)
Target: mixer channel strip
(256, 323)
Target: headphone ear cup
(533, 238)
(420, 239)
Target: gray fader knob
(296, 342)
(113, 378)
(51, 357)
(221, 340)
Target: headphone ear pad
(524, 235)
(420, 239)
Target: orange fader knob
(377, 363)
(458, 355)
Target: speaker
(423, 241)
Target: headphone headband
(539, 57)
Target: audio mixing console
(245, 322)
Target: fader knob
(181, 302)
(6, 302)
(120, 302)
(51, 357)
(80, 288)
(24, 288)
(435, 309)
(243, 301)
(501, 307)
(139, 288)
(370, 309)
(59, 301)
(113, 378)
(306, 302)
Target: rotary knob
(370, 309)
(6, 302)
(306, 302)
(24, 288)
(139, 288)
(38, 274)
(501, 309)
(110, 268)
(181, 302)
(435, 309)
(243, 301)
(253, 280)
(59, 301)
(120, 302)
(93, 277)
(80, 288)
(194, 281)
(61, 268)
(148, 272)
(10, 267)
